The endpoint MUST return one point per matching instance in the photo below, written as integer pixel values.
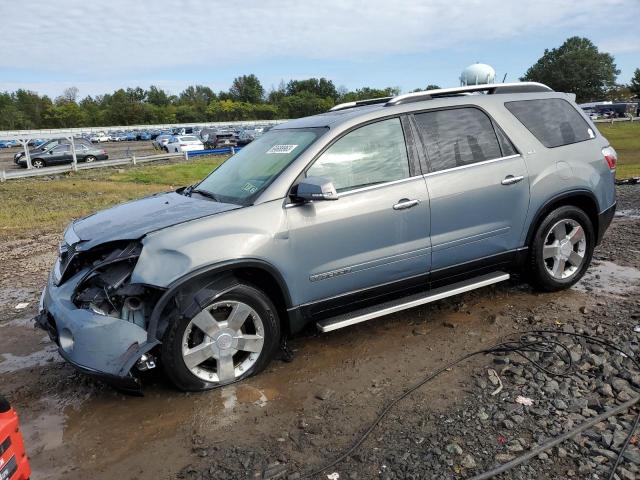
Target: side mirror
(313, 189)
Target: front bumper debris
(98, 345)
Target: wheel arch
(582, 199)
(222, 278)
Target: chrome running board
(411, 301)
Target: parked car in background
(36, 142)
(8, 143)
(144, 136)
(161, 141)
(131, 136)
(51, 143)
(100, 137)
(14, 463)
(184, 143)
(218, 139)
(61, 154)
(247, 136)
(120, 137)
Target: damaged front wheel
(234, 336)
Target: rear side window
(457, 137)
(553, 121)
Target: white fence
(41, 172)
(617, 120)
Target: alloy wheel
(223, 341)
(564, 249)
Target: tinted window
(457, 137)
(505, 144)
(61, 149)
(375, 153)
(553, 121)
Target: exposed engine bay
(106, 288)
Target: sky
(49, 45)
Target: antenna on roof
(504, 78)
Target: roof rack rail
(491, 88)
(360, 103)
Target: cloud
(621, 44)
(81, 39)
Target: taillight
(610, 156)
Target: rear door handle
(510, 179)
(405, 203)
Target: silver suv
(374, 207)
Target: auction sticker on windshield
(282, 149)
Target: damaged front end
(95, 314)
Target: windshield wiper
(205, 193)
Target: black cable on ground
(555, 441)
(520, 347)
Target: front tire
(38, 163)
(562, 249)
(233, 337)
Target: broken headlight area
(106, 288)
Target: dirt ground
(295, 416)
(115, 150)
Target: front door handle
(405, 203)
(510, 179)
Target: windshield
(241, 178)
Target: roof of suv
(470, 94)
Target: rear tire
(90, 159)
(242, 335)
(561, 249)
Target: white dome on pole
(477, 74)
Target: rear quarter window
(553, 121)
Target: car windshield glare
(245, 175)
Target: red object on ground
(14, 464)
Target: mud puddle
(628, 213)
(12, 363)
(609, 278)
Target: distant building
(477, 74)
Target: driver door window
(370, 155)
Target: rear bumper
(604, 220)
(100, 346)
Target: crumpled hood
(137, 218)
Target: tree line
(576, 66)
(246, 99)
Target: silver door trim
(461, 167)
(377, 185)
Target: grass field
(34, 206)
(625, 138)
